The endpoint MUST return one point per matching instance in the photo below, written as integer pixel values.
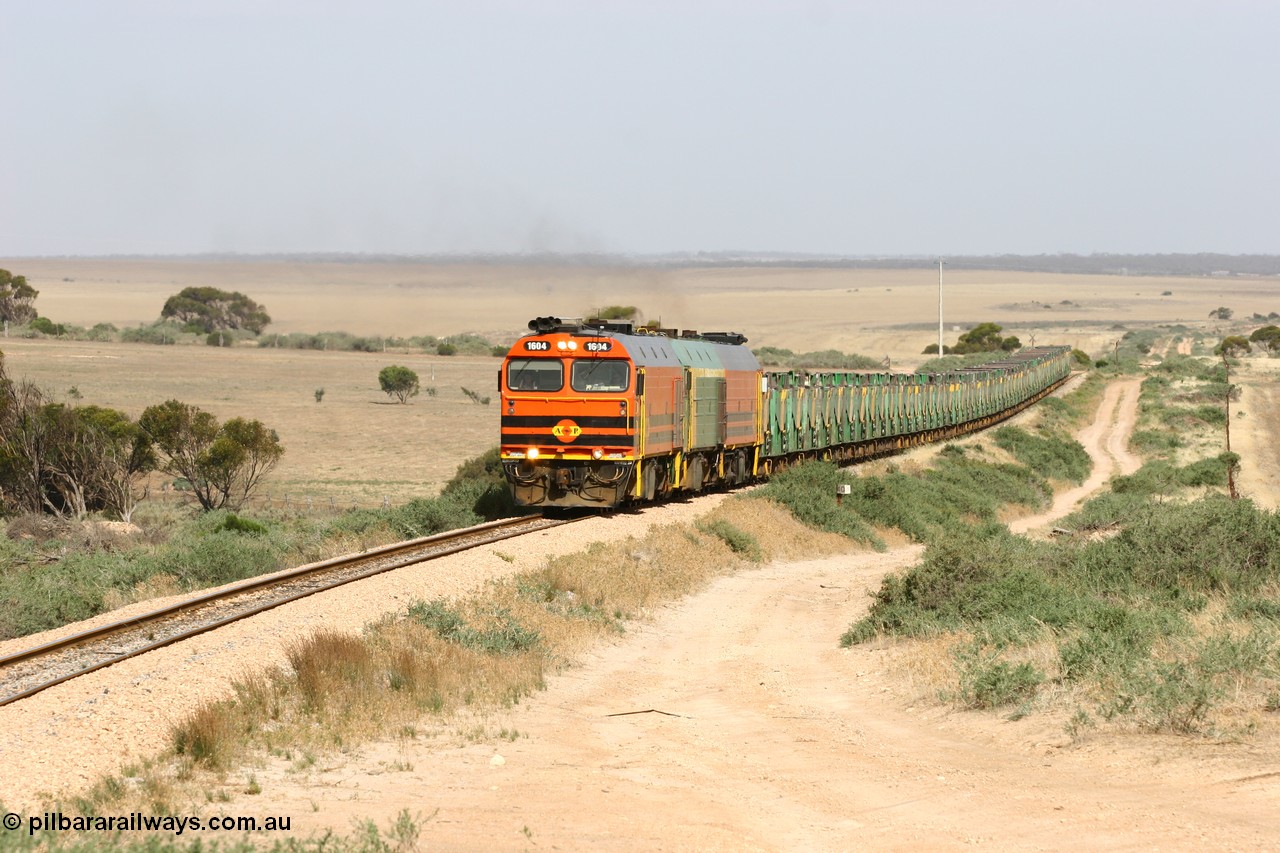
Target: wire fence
(295, 503)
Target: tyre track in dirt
(1106, 440)
(1256, 436)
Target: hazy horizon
(830, 129)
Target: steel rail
(490, 532)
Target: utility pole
(939, 307)
(1231, 464)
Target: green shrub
(480, 484)
(820, 360)
(739, 541)
(809, 493)
(45, 326)
(1053, 456)
(101, 332)
(1114, 639)
(1206, 472)
(1107, 510)
(503, 634)
(235, 524)
(468, 344)
(1149, 441)
(426, 516)
(1210, 544)
(156, 333)
(977, 576)
(986, 682)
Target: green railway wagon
(847, 415)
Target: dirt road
(1107, 441)
(733, 721)
(1255, 432)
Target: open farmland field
(357, 446)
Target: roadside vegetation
(1157, 611)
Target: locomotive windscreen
(535, 374)
(600, 375)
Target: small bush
(739, 541)
(157, 333)
(235, 524)
(502, 635)
(425, 516)
(45, 326)
(398, 381)
(1149, 441)
(986, 682)
(474, 396)
(206, 736)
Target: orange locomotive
(598, 414)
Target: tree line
(69, 461)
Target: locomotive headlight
(573, 345)
(533, 453)
(561, 345)
(597, 453)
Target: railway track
(30, 671)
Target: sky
(810, 126)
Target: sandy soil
(733, 721)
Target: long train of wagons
(599, 414)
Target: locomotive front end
(568, 416)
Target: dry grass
(157, 586)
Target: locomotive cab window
(535, 374)
(600, 375)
